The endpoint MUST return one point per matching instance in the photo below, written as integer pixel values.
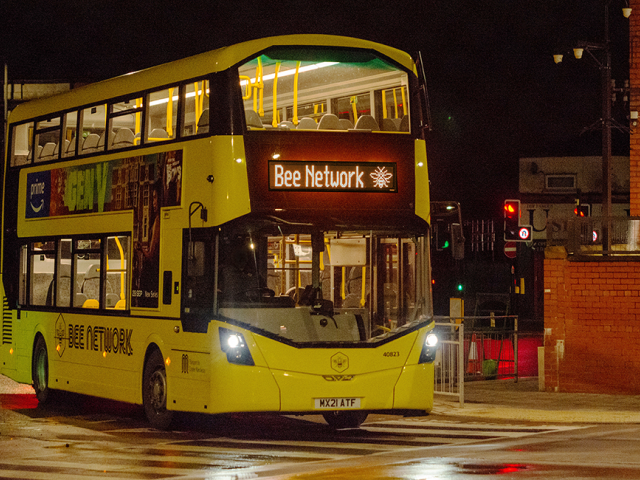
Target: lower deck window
(78, 273)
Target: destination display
(332, 176)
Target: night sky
(495, 92)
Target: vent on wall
(560, 182)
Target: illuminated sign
(332, 176)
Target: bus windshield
(319, 89)
(315, 286)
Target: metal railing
(595, 236)
(474, 348)
(449, 363)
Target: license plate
(336, 403)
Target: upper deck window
(309, 89)
(125, 118)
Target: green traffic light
(460, 287)
(446, 244)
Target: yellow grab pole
(384, 104)
(404, 102)
(197, 103)
(364, 286)
(138, 115)
(395, 101)
(295, 94)
(274, 122)
(170, 114)
(342, 285)
(261, 88)
(353, 101)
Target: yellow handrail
(249, 90)
(404, 102)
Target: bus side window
(87, 283)
(42, 260)
(21, 140)
(195, 118)
(162, 115)
(117, 272)
(93, 123)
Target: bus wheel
(344, 419)
(40, 371)
(154, 392)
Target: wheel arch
(153, 344)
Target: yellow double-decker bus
(245, 230)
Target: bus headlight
(428, 353)
(233, 344)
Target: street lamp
(604, 64)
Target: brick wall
(634, 81)
(594, 308)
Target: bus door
(394, 281)
(199, 271)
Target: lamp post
(604, 65)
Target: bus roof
(191, 67)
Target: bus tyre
(154, 392)
(342, 419)
(40, 371)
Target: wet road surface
(84, 437)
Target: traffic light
(511, 219)
(513, 231)
(443, 236)
(582, 210)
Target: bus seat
(287, 125)
(367, 122)
(397, 122)
(123, 138)
(91, 303)
(90, 143)
(253, 119)
(307, 123)
(112, 300)
(70, 148)
(121, 304)
(388, 125)
(404, 124)
(203, 122)
(92, 273)
(345, 124)
(157, 133)
(329, 122)
(102, 139)
(79, 300)
(47, 152)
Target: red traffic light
(512, 209)
(581, 210)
